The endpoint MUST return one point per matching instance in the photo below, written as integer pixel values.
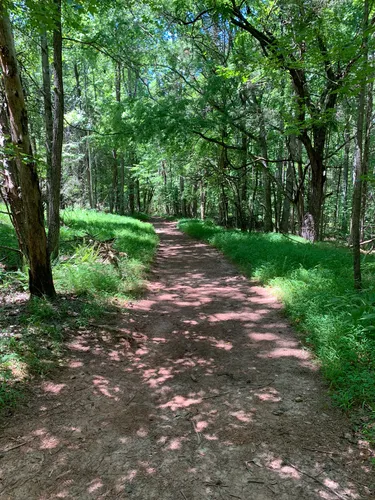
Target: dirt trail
(217, 400)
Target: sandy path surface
(216, 399)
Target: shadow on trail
(215, 399)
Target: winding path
(216, 399)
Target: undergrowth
(315, 284)
(90, 277)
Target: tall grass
(315, 283)
(32, 333)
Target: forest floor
(199, 391)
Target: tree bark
(345, 182)
(40, 273)
(48, 118)
(359, 163)
(54, 174)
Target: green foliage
(81, 270)
(32, 335)
(315, 284)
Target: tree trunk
(113, 195)
(268, 223)
(358, 163)
(202, 200)
(54, 174)
(366, 155)
(90, 183)
(40, 273)
(48, 119)
(345, 182)
(121, 202)
(285, 217)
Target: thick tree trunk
(40, 273)
(366, 155)
(54, 174)
(10, 181)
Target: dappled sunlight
(202, 391)
(95, 485)
(268, 395)
(181, 402)
(283, 469)
(53, 388)
(286, 352)
(102, 386)
(242, 416)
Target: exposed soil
(215, 399)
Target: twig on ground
(63, 474)
(321, 451)
(217, 395)
(131, 399)
(183, 495)
(196, 431)
(264, 385)
(15, 446)
(317, 481)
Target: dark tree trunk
(121, 202)
(35, 241)
(137, 195)
(285, 217)
(345, 182)
(359, 158)
(113, 195)
(48, 118)
(54, 175)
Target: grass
(90, 278)
(315, 284)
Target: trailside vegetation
(103, 263)
(314, 284)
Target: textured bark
(345, 182)
(40, 273)
(113, 195)
(54, 174)
(137, 195)
(121, 201)
(268, 223)
(10, 181)
(48, 119)
(285, 216)
(89, 172)
(202, 200)
(359, 164)
(366, 154)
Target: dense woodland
(257, 114)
